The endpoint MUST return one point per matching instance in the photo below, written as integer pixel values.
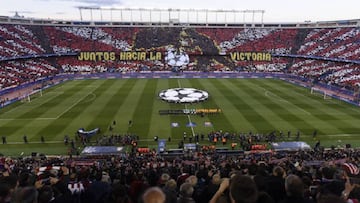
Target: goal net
(320, 92)
(27, 97)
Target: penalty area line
(276, 97)
(70, 107)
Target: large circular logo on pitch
(183, 95)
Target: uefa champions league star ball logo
(176, 58)
(183, 95)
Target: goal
(27, 97)
(320, 92)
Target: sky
(275, 10)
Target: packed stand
(195, 176)
(337, 43)
(331, 43)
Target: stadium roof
(174, 17)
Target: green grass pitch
(257, 105)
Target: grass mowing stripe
(106, 115)
(39, 110)
(283, 112)
(347, 109)
(334, 124)
(251, 115)
(161, 127)
(338, 111)
(12, 128)
(14, 106)
(127, 107)
(349, 115)
(177, 132)
(237, 119)
(219, 121)
(28, 111)
(57, 126)
(142, 115)
(95, 103)
(336, 108)
(199, 120)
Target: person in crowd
(241, 189)
(185, 193)
(46, 194)
(83, 180)
(154, 195)
(276, 184)
(211, 188)
(120, 193)
(170, 190)
(8, 184)
(294, 190)
(331, 199)
(28, 194)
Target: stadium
(144, 95)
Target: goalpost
(319, 92)
(27, 96)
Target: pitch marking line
(27, 105)
(33, 103)
(50, 118)
(53, 118)
(93, 97)
(70, 107)
(341, 135)
(189, 119)
(273, 95)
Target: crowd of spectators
(195, 176)
(14, 73)
(331, 43)
(201, 44)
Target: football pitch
(256, 105)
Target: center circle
(183, 95)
